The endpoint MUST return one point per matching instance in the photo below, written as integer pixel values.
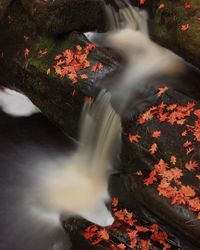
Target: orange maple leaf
(187, 144)
(84, 76)
(162, 90)
(187, 191)
(141, 1)
(161, 6)
(103, 234)
(133, 238)
(48, 71)
(115, 202)
(156, 134)
(145, 244)
(153, 149)
(160, 237)
(198, 176)
(152, 177)
(173, 159)
(189, 150)
(97, 66)
(197, 113)
(184, 133)
(134, 138)
(171, 107)
(26, 52)
(187, 5)
(191, 165)
(185, 27)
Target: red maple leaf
(145, 244)
(103, 234)
(191, 165)
(134, 138)
(141, 2)
(84, 76)
(26, 52)
(133, 238)
(173, 159)
(48, 71)
(198, 176)
(162, 90)
(184, 133)
(160, 237)
(185, 27)
(187, 191)
(161, 6)
(187, 4)
(115, 202)
(189, 150)
(152, 177)
(90, 232)
(97, 66)
(156, 134)
(187, 144)
(142, 229)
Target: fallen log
(27, 63)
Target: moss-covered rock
(169, 27)
(61, 16)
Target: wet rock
(176, 26)
(62, 16)
(138, 162)
(26, 58)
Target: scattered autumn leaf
(153, 149)
(185, 27)
(162, 90)
(191, 165)
(156, 134)
(134, 138)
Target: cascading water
(77, 184)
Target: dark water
(23, 142)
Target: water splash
(78, 185)
(145, 59)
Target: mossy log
(58, 98)
(177, 27)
